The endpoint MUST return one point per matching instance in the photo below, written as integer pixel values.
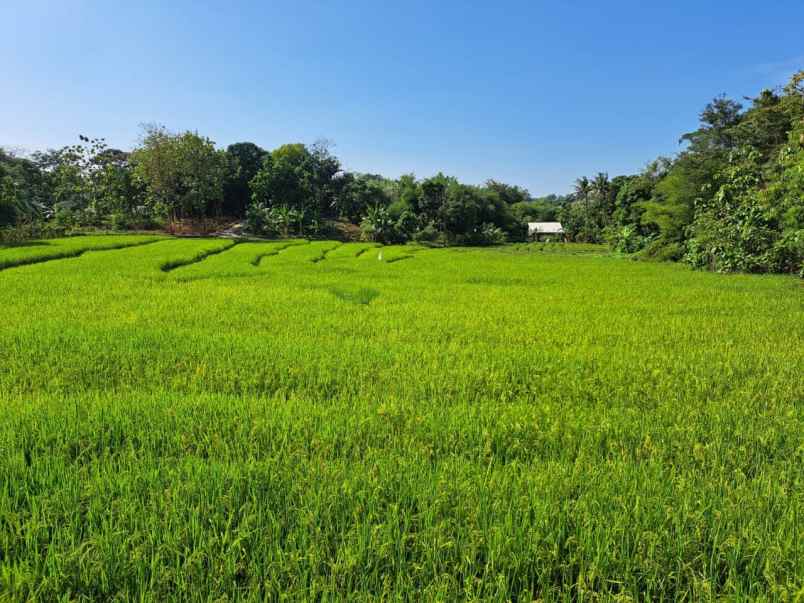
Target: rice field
(195, 419)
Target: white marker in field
(379, 255)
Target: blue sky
(533, 93)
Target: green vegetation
(732, 200)
(34, 252)
(201, 420)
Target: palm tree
(601, 184)
(583, 187)
(602, 188)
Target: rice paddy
(199, 419)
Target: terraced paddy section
(239, 259)
(35, 252)
(210, 248)
(352, 250)
(465, 424)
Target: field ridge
(261, 256)
(172, 265)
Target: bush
(262, 219)
(27, 231)
(626, 239)
(518, 232)
(489, 234)
(427, 234)
(10, 235)
(735, 240)
(380, 226)
(8, 212)
(787, 253)
(663, 251)
(257, 218)
(118, 221)
(66, 219)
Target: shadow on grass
(25, 244)
(172, 265)
(362, 296)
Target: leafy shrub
(380, 226)
(489, 234)
(663, 251)
(787, 253)
(8, 208)
(626, 239)
(257, 218)
(427, 234)
(737, 229)
(27, 231)
(118, 221)
(283, 221)
(11, 235)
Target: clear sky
(534, 93)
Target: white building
(545, 230)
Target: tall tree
(244, 160)
(283, 178)
(508, 193)
(182, 173)
(583, 190)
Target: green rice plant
(466, 424)
(243, 259)
(274, 249)
(352, 250)
(312, 252)
(361, 296)
(212, 247)
(34, 252)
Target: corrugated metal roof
(545, 228)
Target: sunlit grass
(41, 251)
(464, 424)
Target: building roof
(545, 228)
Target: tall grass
(492, 424)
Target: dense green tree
(283, 178)
(690, 181)
(23, 189)
(324, 179)
(755, 220)
(182, 174)
(8, 198)
(732, 231)
(379, 225)
(508, 193)
(728, 201)
(605, 194)
(358, 193)
(83, 184)
(243, 161)
(576, 217)
(540, 209)
(717, 122)
(431, 198)
(783, 200)
(461, 211)
(309, 181)
(534, 211)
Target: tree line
(731, 200)
(294, 189)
